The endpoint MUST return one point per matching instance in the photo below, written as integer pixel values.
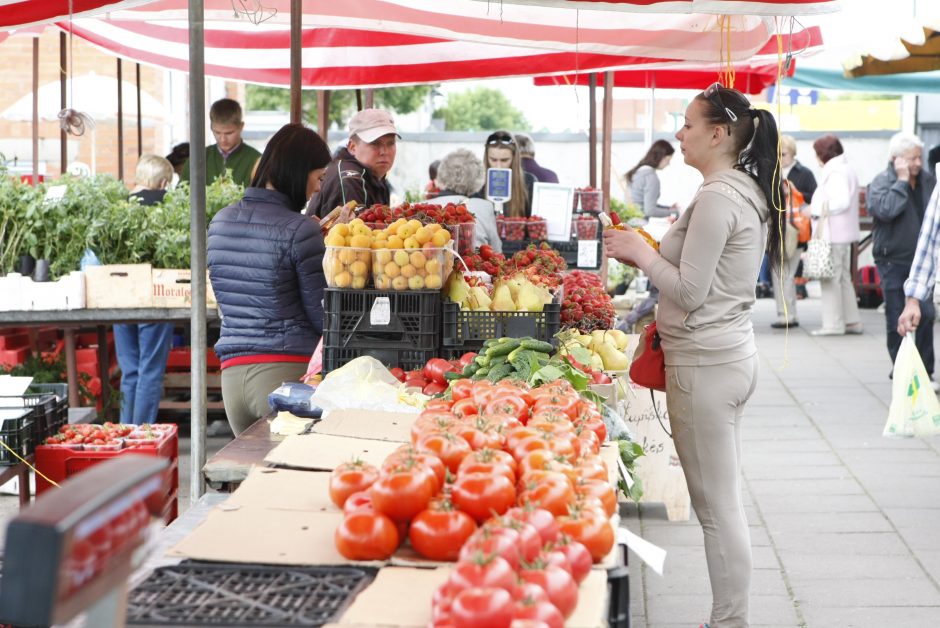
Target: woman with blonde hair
(501, 151)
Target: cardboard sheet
(389, 426)
(284, 489)
(325, 452)
(381, 603)
(253, 534)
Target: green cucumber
(503, 348)
(500, 372)
(452, 375)
(537, 345)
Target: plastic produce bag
(365, 384)
(914, 409)
(295, 398)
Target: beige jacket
(707, 270)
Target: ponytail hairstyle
(653, 157)
(755, 138)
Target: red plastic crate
(170, 508)
(17, 340)
(180, 359)
(12, 357)
(60, 463)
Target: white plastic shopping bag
(914, 409)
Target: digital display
(499, 184)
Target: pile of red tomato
(504, 479)
(430, 378)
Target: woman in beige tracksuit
(706, 269)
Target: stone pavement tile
(785, 445)
(682, 583)
(878, 484)
(857, 543)
(930, 559)
(688, 609)
(921, 537)
(763, 557)
(891, 451)
(815, 566)
(795, 472)
(772, 610)
(768, 583)
(920, 469)
(915, 517)
(885, 591)
(795, 435)
(901, 496)
(670, 536)
(770, 504)
(810, 489)
(756, 456)
(826, 522)
(821, 616)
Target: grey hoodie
(708, 265)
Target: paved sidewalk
(845, 524)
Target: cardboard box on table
(119, 286)
(172, 288)
(284, 516)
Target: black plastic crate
(408, 359)
(217, 594)
(465, 330)
(51, 412)
(413, 319)
(17, 433)
(569, 251)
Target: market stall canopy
(18, 13)
(909, 56)
(751, 77)
(689, 37)
(726, 7)
(92, 94)
(340, 50)
(818, 78)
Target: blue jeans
(142, 350)
(893, 276)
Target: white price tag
(55, 193)
(587, 253)
(381, 313)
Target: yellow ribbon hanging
(26, 462)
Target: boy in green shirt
(229, 152)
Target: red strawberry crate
(60, 462)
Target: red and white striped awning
(19, 13)
(398, 42)
(722, 7)
(750, 77)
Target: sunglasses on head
(713, 94)
(499, 138)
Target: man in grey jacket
(897, 199)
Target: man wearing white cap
(358, 173)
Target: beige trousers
(785, 294)
(245, 390)
(839, 303)
(705, 406)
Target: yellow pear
(620, 338)
(457, 288)
(481, 296)
(613, 359)
(528, 299)
(502, 300)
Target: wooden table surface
(230, 465)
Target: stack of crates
(31, 418)
(466, 330)
(398, 328)
(59, 463)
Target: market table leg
(23, 475)
(104, 370)
(71, 370)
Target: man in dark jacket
(527, 153)
(897, 199)
(359, 171)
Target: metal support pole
(63, 138)
(323, 113)
(296, 15)
(370, 98)
(197, 200)
(35, 110)
(140, 125)
(120, 119)
(592, 129)
(607, 142)
(358, 100)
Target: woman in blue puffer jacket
(266, 267)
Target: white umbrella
(92, 94)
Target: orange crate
(60, 463)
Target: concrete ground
(845, 524)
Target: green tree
(342, 102)
(481, 109)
